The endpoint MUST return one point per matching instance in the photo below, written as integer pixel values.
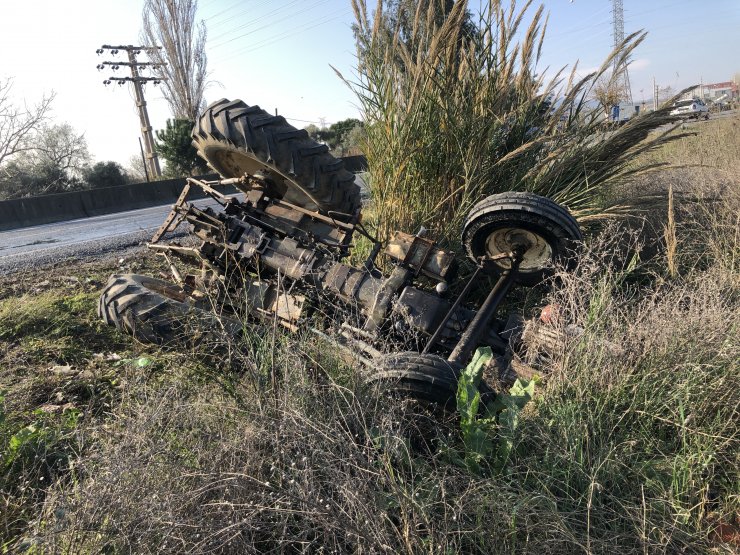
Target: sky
(279, 54)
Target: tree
(18, 125)
(313, 131)
(136, 170)
(53, 163)
(182, 59)
(665, 94)
(607, 93)
(105, 174)
(174, 144)
(354, 140)
(336, 135)
(338, 131)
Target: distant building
(717, 90)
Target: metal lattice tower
(622, 76)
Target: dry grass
(632, 448)
(631, 442)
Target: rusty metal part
(288, 263)
(376, 315)
(167, 226)
(421, 256)
(268, 302)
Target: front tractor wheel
(545, 231)
(422, 377)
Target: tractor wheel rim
(503, 240)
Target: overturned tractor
(276, 250)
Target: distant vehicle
(623, 112)
(718, 104)
(692, 108)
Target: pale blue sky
(276, 53)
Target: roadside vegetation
(630, 439)
(627, 440)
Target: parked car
(692, 108)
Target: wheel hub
(536, 250)
(230, 162)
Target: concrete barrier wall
(61, 207)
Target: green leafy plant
(508, 406)
(488, 439)
(45, 439)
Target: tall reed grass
(453, 115)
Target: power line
(234, 5)
(249, 23)
(248, 9)
(267, 25)
(289, 33)
(271, 24)
(322, 121)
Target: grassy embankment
(631, 442)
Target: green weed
(489, 435)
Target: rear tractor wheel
(501, 223)
(236, 139)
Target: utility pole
(152, 161)
(655, 95)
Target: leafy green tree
(105, 174)
(174, 144)
(338, 136)
(53, 162)
(338, 132)
(354, 140)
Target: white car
(692, 108)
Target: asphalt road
(30, 247)
(48, 244)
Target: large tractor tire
(236, 139)
(156, 311)
(499, 223)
